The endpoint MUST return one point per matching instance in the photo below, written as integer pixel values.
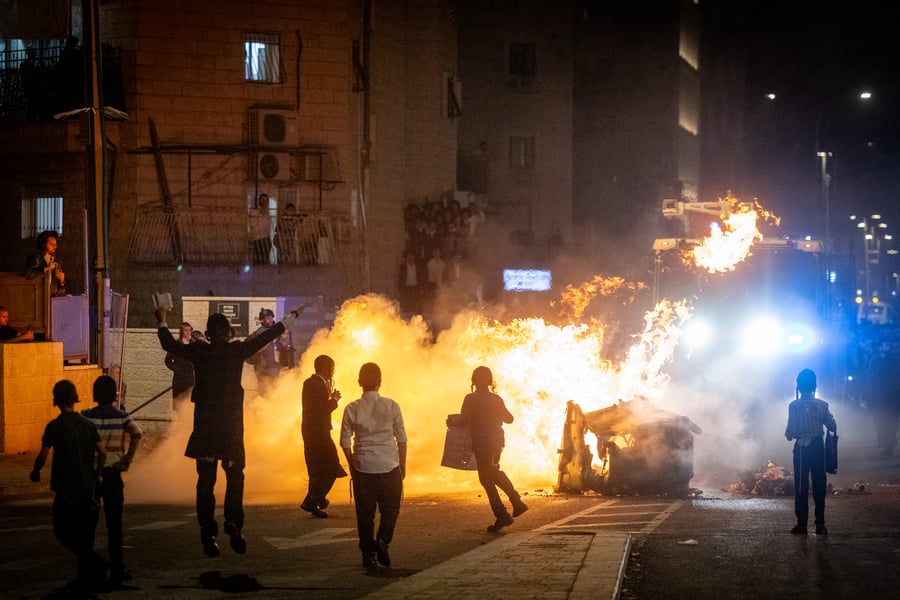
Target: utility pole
(94, 175)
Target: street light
(825, 157)
(875, 231)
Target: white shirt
(376, 426)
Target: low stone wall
(146, 377)
(28, 372)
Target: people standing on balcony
(43, 260)
(68, 78)
(319, 399)
(433, 238)
(218, 433)
(411, 283)
(435, 273)
(286, 232)
(484, 413)
(114, 425)
(32, 84)
(266, 363)
(261, 231)
(182, 369)
(10, 334)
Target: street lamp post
(875, 231)
(825, 176)
(826, 160)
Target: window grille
(42, 209)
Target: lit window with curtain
(262, 57)
(42, 209)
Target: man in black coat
(43, 261)
(322, 464)
(219, 419)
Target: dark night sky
(817, 58)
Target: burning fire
(538, 366)
(723, 250)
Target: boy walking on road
(78, 456)
(114, 426)
(807, 415)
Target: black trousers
(383, 491)
(491, 477)
(206, 498)
(112, 495)
(74, 525)
(322, 465)
(809, 463)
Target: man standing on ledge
(219, 419)
(43, 260)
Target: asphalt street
(718, 544)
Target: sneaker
(210, 547)
(369, 561)
(314, 510)
(798, 530)
(236, 538)
(519, 507)
(381, 553)
(500, 523)
(324, 503)
(821, 530)
(119, 574)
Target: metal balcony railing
(221, 236)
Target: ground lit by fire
(538, 366)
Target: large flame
(722, 250)
(538, 367)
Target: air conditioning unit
(272, 166)
(272, 127)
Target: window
(522, 60)
(262, 57)
(521, 152)
(42, 209)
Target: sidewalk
(545, 565)
(14, 470)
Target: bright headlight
(761, 336)
(698, 333)
(799, 337)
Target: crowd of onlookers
(439, 271)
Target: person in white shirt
(377, 464)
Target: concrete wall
(28, 372)
(499, 106)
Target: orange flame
(537, 366)
(578, 298)
(722, 250)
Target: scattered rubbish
(772, 480)
(860, 488)
(688, 543)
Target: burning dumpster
(640, 449)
